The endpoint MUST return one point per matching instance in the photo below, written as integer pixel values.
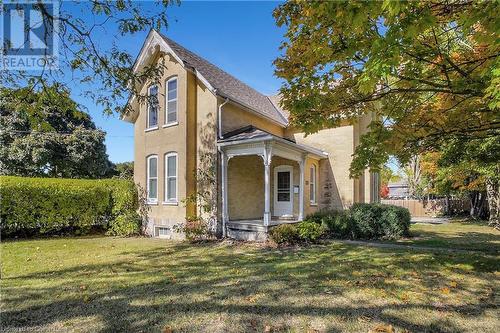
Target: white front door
(283, 191)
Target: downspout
(219, 118)
(223, 169)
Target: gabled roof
(251, 133)
(228, 86)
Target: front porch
(253, 230)
(262, 182)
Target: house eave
(312, 152)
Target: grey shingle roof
(245, 133)
(227, 85)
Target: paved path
(430, 220)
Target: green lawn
(137, 284)
(458, 234)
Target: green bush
(379, 221)
(340, 225)
(285, 234)
(126, 224)
(310, 231)
(365, 221)
(396, 222)
(47, 205)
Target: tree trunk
(492, 190)
(477, 206)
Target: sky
(239, 37)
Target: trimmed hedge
(50, 205)
(365, 221)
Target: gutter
(219, 117)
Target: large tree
(429, 70)
(91, 49)
(43, 133)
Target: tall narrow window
(152, 107)
(312, 184)
(171, 177)
(171, 109)
(152, 179)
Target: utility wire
(60, 133)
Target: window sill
(170, 124)
(151, 129)
(313, 204)
(152, 203)
(170, 203)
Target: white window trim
(312, 181)
(148, 127)
(172, 123)
(172, 201)
(152, 201)
(151, 129)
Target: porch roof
(251, 134)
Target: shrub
(379, 221)
(310, 231)
(340, 225)
(285, 234)
(195, 229)
(46, 205)
(395, 222)
(126, 224)
(322, 216)
(365, 221)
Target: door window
(283, 186)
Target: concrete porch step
(246, 226)
(247, 235)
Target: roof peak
(228, 86)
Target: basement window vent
(163, 232)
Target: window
(152, 107)
(171, 103)
(163, 232)
(312, 184)
(152, 179)
(171, 177)
(283, 185)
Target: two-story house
(214, 139)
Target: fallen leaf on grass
(445, 290)
(267, 329)
(453, 284)
(167, 329)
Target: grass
(458, 234)
(146, 285)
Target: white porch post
(302, 163)
(267, 184)
(225, 217)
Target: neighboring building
(398, 190)
(212, 137)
